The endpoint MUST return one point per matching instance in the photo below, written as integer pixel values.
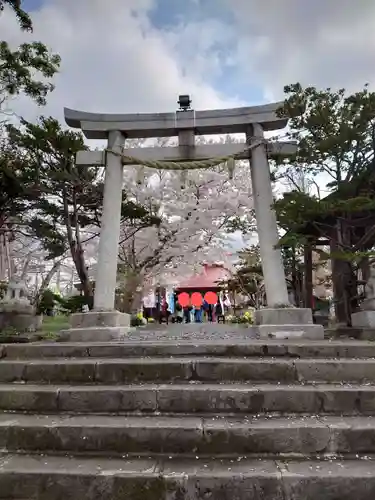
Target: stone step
(228, 348)
(63, 478)
(188, 435)
(191, 398)
(133, 370)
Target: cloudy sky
(138, 55)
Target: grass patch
(51, 327)
(53, 324)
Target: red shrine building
(208, 280)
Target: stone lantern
(15, 309)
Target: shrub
(3, 289)
(135, 320)
(74, 303)
(245, 319)
(47, 302)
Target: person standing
(187, 314)
(219, 311)
(179, 314)
(205, 308)
(192, 314)
(164, 311)
(210, 313)
(198, 311)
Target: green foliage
(3, 289)
(243, 224)
(296, 209)
(322, 304)
(49, 336)
(47, 302)
(17, 191)
(19, 67)
(334, 131)
(293, 260)
(74, 304)
(48, 152)
(8, 334)
(137, 215)
(135, 320)
(64, 208)
(53, 324)
(244, 319)
(335, 135)
(17, 188)
(248, 276)
(23, 17)
(28, 68)
(70, 197)
(304, 216)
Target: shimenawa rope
(183, 165)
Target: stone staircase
(209, 420)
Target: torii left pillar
(104, 323)
(106, 277)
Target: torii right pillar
(279, 319)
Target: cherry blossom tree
(198, 210)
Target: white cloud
(113, 60)
(200, 46)
(320, 42)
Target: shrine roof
(209, 278)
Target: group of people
(172, 311)
(195, 314)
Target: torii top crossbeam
(143, 125)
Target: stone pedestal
(287, 323)
(366, 317)
(97, 327)
(368, 304)
(17, 315)
(363, 319)
(16, 312)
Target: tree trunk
(365, 268)
(46, 281)
(296, 279)
(308, 276)
(130, 300)
(299, 288)
(25, 267)
(76, 249)
(343, 277)
(82, 271)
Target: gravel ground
(203, 331)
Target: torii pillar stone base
(97, 326)
(287, 323)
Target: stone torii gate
(279, 319)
